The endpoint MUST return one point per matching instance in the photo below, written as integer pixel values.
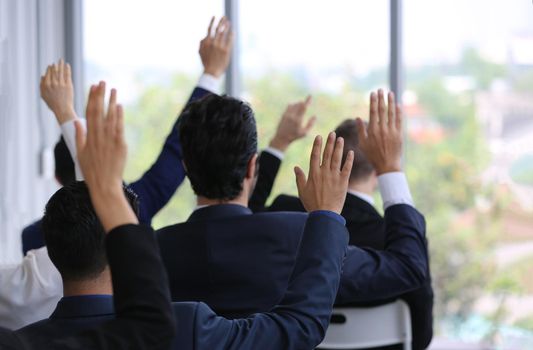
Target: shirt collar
(367, 198)
(84, 306)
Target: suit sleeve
(159, 183)
(302, 317)
(370, 274)
(142, 300)
(268, 170)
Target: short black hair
(73, 233)
(361, 168)
(64, 165)
(218, 137)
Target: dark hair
(64, 164)
(361, 168)
(219, 137)
(73, 234)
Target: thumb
(301, 180)
(310, 124)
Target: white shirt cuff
(210, 83)
(394, 189)
(275, 152)
(68, 129)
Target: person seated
(32, 236)
(31, 290)
(365, 224)
(239, 262)
(142, 320)
(159, 183)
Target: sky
(128, 36)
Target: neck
(94, 286)
(367, 186)
(241, 199)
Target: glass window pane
(469, 108)
(149, 52)
(336, 51)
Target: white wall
(31, 36)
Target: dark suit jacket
(298, 322)
(155, 188)
(367, 229)
(144, 317)
(238, 262)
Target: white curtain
(32, 34)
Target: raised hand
(102, 157)
(291, 126)
(58, 92)
(326, 187)
(381, 141)
(215, 48)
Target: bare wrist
(279, 144)
(65, 115)
(388, 169)
(213, 72)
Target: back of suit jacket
(236, 262)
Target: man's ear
(252, 164)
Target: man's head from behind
(219, 140)
(362, 170)
(73, 234)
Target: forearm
(68, 130)
(370, 274)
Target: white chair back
(366, 327)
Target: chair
(365, 327)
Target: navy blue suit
(367, 228)
(239, 263)
(155, 188)
(298, 322)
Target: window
(469, 107)
(149, 52)
(336, 51)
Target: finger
(230, 39)
(98, 119)
(80, 137)
(314, 161)
(301, 180)
(391, 105)
(219, 33)
(119, 127)
(54, 74)
(308, 100)
(68, 73)
(328, 150)
(60, 70)
(111, 119)
(227, 32)
(336, 159)
(310, 123)
(210, 28)
(382, 109)
(399, 117)
(347, 167)
(373, 114)
(90, 112)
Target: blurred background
(464, 70)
